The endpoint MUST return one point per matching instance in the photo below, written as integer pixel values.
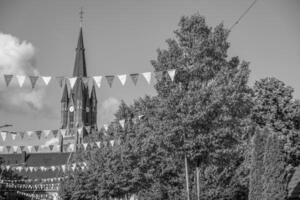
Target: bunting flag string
(97, 79)
(30, 180)
(66, 147)
(79, 166)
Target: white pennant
(31, 169)
(1, 148)
(29, 133)
(112, 142)
(122, 123)
(71, 147)
(98, 144)
(3, 135)
(63, 132)
(63, 167)
(97, 80)
(21, 79)
(13, 136)
(147, 76)
(29, 148)
(15, 148)
(53, 168)
(105, 127)
(80, 131)
(122, 78)
(72, 81)
(84, 145)
(46, 79)
(172, 74)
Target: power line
(243, 15)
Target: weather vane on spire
(81, 16)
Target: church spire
(80, 66)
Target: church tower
(79, 104)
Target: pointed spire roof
(65, 96)
(80, 66)
(93, 94)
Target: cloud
(108, 109)
(52, 141)
(18, 58)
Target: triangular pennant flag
(29, 133)
(22, 134)
(80, 131)
(31, 169)
(46, 79)
(29, 147)
(63, 132)
(38, 134)
(7, 78)
(53, 168)
(13, 136)
(3, 135)
(84, 145)
(172, 73)
(55, 133)
(22, 148)
(122, 123)
(71, 147)
(21, 79)
(36, 147)
(88, 129)
(72, 81)
(1, 148)
(134, 78)
(51, 147)
(110, 80)
(7, 167)
(147, 76)
(15, 148)
(97, 80)
(122, 78)
(60, 80)
(33, 80)
(63, 167)
(46, 133)
(105, 126)
(112, 142)
(8, 148)
(98, 144)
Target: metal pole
(198, 183)
(187, 177)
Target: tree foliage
(203, 113)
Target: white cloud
(52, 141)
(18, 58)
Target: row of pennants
(97, 79)
(55, 133)
(64, 168)
(42, 180)
(38, 196)
(66, 147)
(48, 186)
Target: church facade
(78, 111)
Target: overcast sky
(121, 37)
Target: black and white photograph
(149, 100)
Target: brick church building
(78, 110)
